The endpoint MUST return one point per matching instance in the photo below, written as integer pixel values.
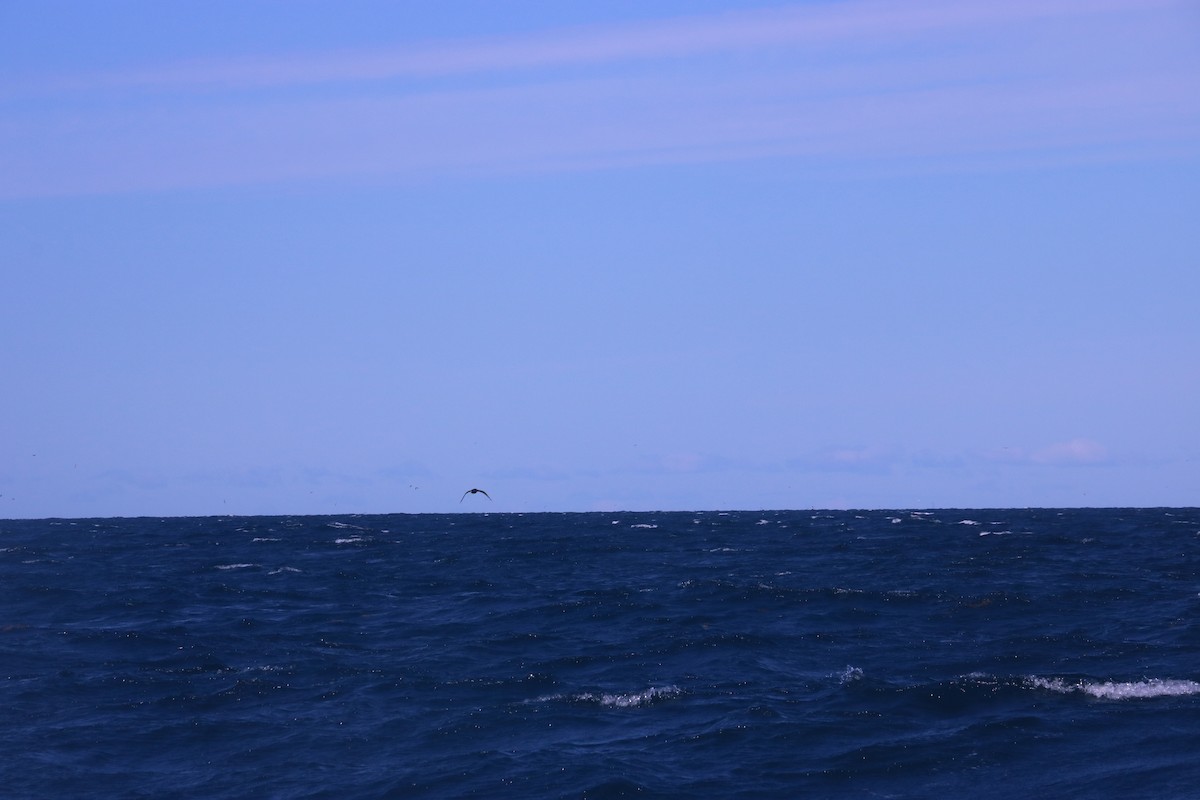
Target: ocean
(749, 654)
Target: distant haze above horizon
(295, 258)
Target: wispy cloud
(1074, 451)
(828, 84)
(1079, 450)
(887, 458)
(835, 25)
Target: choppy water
(989, 654)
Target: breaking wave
(1118, 690)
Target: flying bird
(474, 491)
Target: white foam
(349, 540)
(282, 569)
(618, 700)
(850, 674)
(1114, 690)
(633, 699)
(236, 566)
(643, 525)
(265, 539)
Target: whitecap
(349, 540)
(282, 569)
(265, 539)
(850, 674)
(969, 522)
(630, 699)
(235, 566)
(643, 525)
(1119, 690)
(615, 700)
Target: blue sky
(300, 257)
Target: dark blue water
(989, 654)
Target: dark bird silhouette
(474, 491)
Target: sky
(268, 257)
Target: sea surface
(750, 654)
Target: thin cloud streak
(1009, 100)
(835, 25)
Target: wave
(849, 675)
(618, 700)
(1117, 690)
(979, 687)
